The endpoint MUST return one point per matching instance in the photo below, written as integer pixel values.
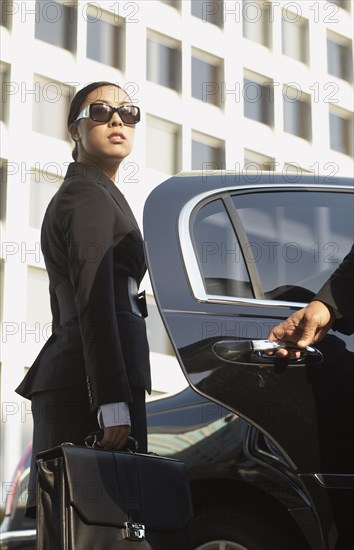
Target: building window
(293, 170)
(56, 23)
(163, 151)
(42, 188)
(50, 107)
(3, 189)
(295, 36)
(255, 161)
(208, 153)
(163, 63)
(339, 57)
(208, 12)
(1, 296)
(257, 22)
(258, 98)
(297, 113)
(6, 10)
(207, 73)
(345, 4)
(172, 3)
(5, 97)
(341, 130)
(105, 38)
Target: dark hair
(77, 101)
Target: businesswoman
(94, 369)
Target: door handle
(255, 351)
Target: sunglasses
(101, 112)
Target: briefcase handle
(93, 437)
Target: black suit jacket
(338, 292)
(93, 251)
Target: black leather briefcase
(95, 499)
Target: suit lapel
(119, 198)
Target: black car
(268, 444)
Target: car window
(295, 238)
(218, 252)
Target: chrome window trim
(189, 257)
(215, 299)
(26, 534)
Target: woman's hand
(115, 437)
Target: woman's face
(104, 143)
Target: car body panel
(301, 406)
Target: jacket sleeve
(338, 292)
(87, 217)
(54, 306)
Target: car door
(229, 257)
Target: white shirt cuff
(113, 414)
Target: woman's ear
(74, 132)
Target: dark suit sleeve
(87, 217)
(54, 306)
(338, 293)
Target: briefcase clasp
(135, 531)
